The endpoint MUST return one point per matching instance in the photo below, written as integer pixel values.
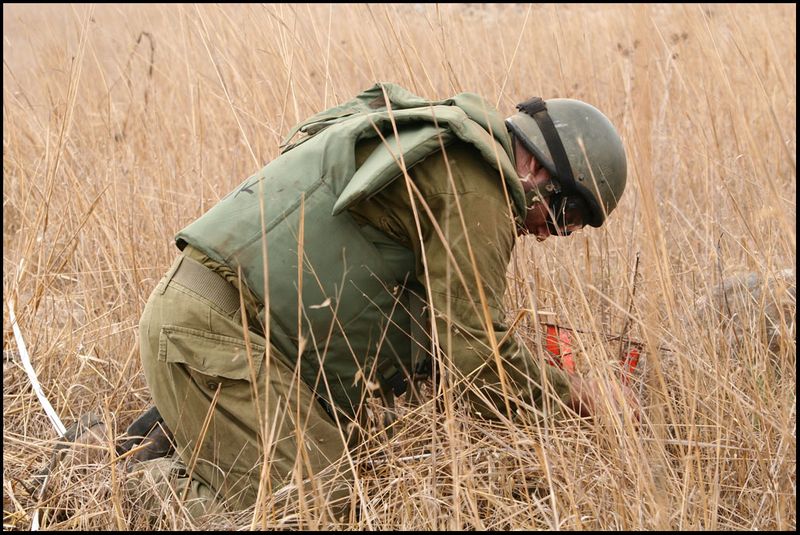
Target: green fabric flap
(384, 164)
(209, 353)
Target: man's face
(534, 175)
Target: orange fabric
(559, 344)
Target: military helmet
(580, 148)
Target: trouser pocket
(211, 359)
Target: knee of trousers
(228, 405)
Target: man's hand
(587, 396)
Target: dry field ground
(121, 124)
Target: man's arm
(463, 247)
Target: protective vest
(346, 312)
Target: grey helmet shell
(593, 147)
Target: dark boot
(83, 438)
(149, 435)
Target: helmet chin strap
(564, 180)
(537, 109)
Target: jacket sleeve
(460, 229)
(466, 261)
(463, 247)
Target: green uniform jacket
(374, 240)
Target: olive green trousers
(242, 420)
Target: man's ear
(522, 158)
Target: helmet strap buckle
(538, 193)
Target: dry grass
(121, 124)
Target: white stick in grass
(26, 363)
(37, 388)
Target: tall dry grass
(121, 124)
